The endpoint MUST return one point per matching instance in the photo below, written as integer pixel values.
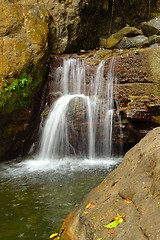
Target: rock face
(136, 179)
(23, 50)
(138, 92)
(78, 24)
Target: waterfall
(107, 147)
(87, 100)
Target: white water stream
(97, 99)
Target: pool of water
(37, 195)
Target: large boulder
(131, 190)
(23, 51)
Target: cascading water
(93, 97)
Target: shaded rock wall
(79, 24)
(136, 179)
(23, 51)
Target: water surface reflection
(36, 195)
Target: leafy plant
(17, 84)
(23, 82)
(19, 88)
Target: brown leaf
(111, 231)
(127, 200)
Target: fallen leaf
(53, 235)
(111, 231)
(90, 205)
(117, 220)
(85, 212)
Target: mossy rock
(23, 55)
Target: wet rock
(131, 190)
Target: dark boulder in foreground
(133, 190)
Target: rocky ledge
(131, 190)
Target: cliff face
(23, 51)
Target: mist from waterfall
(90, 96)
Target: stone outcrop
(131, 190)
(23, 51)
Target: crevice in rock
(144, 233)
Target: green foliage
(15, 91)
(17, 84)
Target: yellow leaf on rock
(53, 235)
(117, 220)
(90, 205)
(85, 213)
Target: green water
(35, 197)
